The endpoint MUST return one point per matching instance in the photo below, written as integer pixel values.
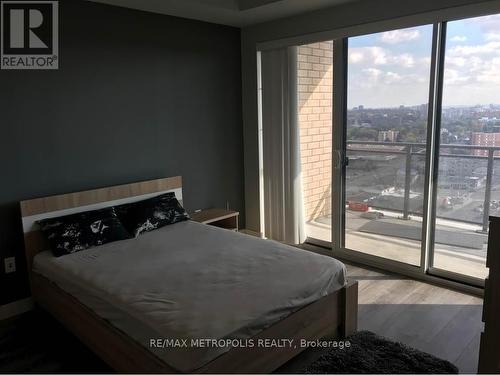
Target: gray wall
(137, 96)
(362, 17)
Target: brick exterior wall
(485, 139)
(315, 90)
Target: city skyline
(393, 68)
(464, 106)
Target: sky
(392, 68)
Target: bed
(129, 301)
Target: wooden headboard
(59, 205)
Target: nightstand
(218, 217)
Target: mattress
(193, 281)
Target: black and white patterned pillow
(77, 232)
(150, 214)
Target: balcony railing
(411, 150)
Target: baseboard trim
(16, 308)
(251, 233)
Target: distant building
(489, 119)
(485, 139)
(388, 135)
(459, 174)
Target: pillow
(150, 214)
(76, 232)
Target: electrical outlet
(10, 264)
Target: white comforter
(190, 280)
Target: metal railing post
(487, 190)
(406, 205)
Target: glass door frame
(437, 77)
(340, 161)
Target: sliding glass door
(386, 136)
(432, 87)
(396, 140)
(468, 187)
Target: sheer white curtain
(282, 182)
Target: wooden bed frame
(333, 316)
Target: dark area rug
(372, 354)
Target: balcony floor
(459, 248)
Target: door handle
(340, 159)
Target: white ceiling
(228, 12)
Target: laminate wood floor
(439, 321)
